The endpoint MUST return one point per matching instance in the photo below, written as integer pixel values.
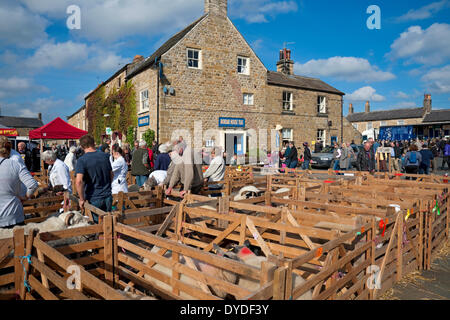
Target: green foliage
(148, 137)
(119, 104)
(130, 136)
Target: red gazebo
(58, 129)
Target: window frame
(288, 101)
(355, 125)
(248, 95)
(369, 126)
(142, 101)
(319, 105)
(400, 122)
(198, 59)
(247, 65)
(383, 123)
(291, 134)
(322, 138)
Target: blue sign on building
(232, 122)
(144, 121)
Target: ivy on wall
(119, 104)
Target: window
(243, 65)
(287, 134)
(144, 100)
(355, 125)
(287, 101)
(119, 82)
(248, 99)
(194, 58)
(383, 123)
(400, 122)
(321, 104)
(369, 125)
(321, 136)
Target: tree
(130, 136)
(149, 136)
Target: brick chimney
(217, 7)
(350, 108)
(137, 58)
(367, 107)
(427, 103)
(40, 116)
(285, 64)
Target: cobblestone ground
(431, 284)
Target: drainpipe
(157, 104)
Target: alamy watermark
(74, 20)
(74, 281)
(374, 21)
(374, 281)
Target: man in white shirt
(156, 178)
(58, 171)
(216, 171)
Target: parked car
(324, 159)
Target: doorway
(234, 144)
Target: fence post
(279, 283)
(268, 191)
(109, 248)
(399, 246)
(19, 250)
(421, 236)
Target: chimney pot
(367, 107)
(350, 108)
(40, 116)
(285, 64)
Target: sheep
(248, 192)
(244, 254)
(202, 267)
(133, 296)
(55, 222)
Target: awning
(58, 129)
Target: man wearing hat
(306, 156)
(162, 161)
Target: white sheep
(55, 222)
(244, 254)
(202, 267)
(133, 296)
(247, 192)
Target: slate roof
(278, 78)
(19, 122)
(143, 65)
(386, 115)
(437, 116)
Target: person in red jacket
(150, 156)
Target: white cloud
(73, 55)
(258, 11)
(19, 27)
(438, 80)
(423, 12)
(425, 46)
(49, 107)
(15, 86)
(365, 94)
(108, 20)
(406, 104)
(401, 95)
(257, 44)
(343, 68)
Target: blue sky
(45, 67)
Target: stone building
(424, 121)
(208, 77)
(23, 125)
(79, 119)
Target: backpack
(413, 158)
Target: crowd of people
(408, 156)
